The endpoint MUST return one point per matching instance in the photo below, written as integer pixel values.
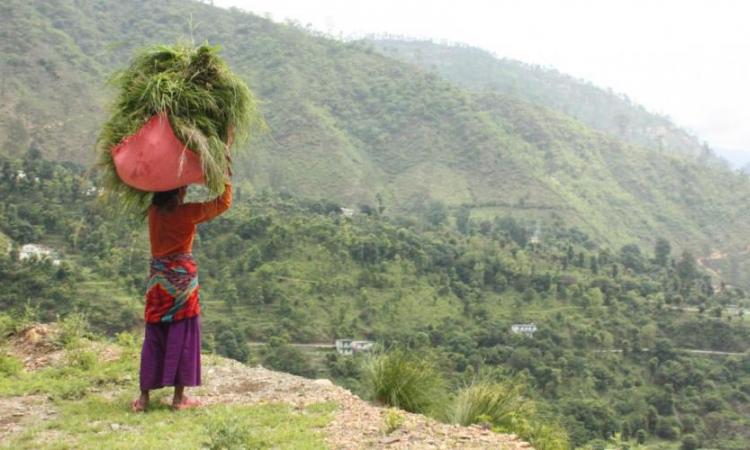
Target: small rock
(390, 440)
(115, 426)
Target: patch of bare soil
(36, 346)
(17, 412)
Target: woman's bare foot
(186, 402)
(182, 401)
(140, 404)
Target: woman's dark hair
(166, 201)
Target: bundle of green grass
(203, 99)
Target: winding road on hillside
(692, 351)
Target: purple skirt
(171, 354)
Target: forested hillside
(603, 110)
(474, 208)
(616, 328)
(351, 125)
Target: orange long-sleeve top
(174, 231)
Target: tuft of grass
(227, 433)
(7, 327)
(203, 99)
(504, 407)
(10, 365)
(73, 328)
(80, 358)
(393, 420)
(400, 379)
(497, 403)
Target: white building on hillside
(350, 347)
(527, 329)
(347, 212)
(39, 252)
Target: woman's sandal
(137, 406)
(187, 403)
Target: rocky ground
(356, 424)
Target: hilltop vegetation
(600, 109)
(353, 126)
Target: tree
(625, 431)
(662, 249)
(435, 213)
(595, 265)
(689, 442)
(462, 219)
(640, 436)
(231, 344)
(279, 355)
(632, 258)
(686, 269)
(515, 230)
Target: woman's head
(168, 200)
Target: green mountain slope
(626, 340)
(601, 109)
(351, 125)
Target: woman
(171, 348)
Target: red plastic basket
(154, 160)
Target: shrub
(72, 389)
(7, 326)
(279, 355)
(667, 428)
(546, 436)
(689, 442)
(10, 365)
(503, 404)
(128, 343)
(398, 378)
(393, 420)
(226, 433)
(73, 328)
(80, 359)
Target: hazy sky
(688, 59)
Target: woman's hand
(230, 141)
(230, 137)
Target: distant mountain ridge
(601, 109)
(356, 127)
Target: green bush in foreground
(400, 379)
(506, 409)
(500, 404)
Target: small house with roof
(350, 346)
(527, 329)
(38, 252)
